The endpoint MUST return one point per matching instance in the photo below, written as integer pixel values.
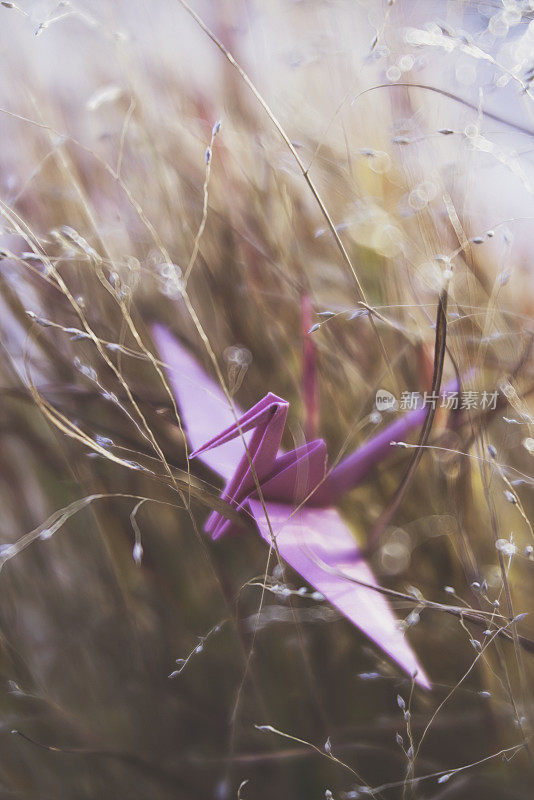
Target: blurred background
(414, 121)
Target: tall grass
(332, 177)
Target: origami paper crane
(297, 492)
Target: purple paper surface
(203, 407)
(282, 476)
(319, 546)
(314, 540)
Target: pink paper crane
(297, 492)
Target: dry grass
(113, 217)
